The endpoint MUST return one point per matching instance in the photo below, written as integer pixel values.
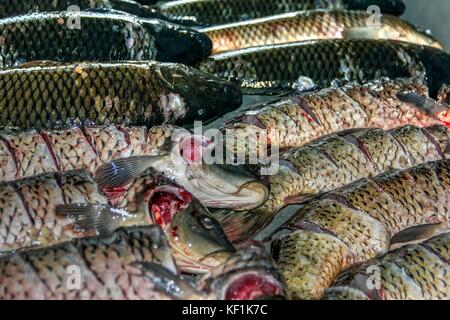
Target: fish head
(175, 43)
(198, 241)
(215, 182)
(250, 274)
(205, 96)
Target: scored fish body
(335, 161)
(312, 25)
(293, 122)
(414, 272)
(92, 36)
(211, 12)
(360, 222)
(274, 68)
(132, 93)
(88, 269)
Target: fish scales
(365, 216)
(146, 93)
(212, 12)
(105, 266)
(314, 25)
(413, 272)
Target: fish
(138, 93)
(88, 269)
(413, 272)
(272, 69)
(332, 162)
(53, 208)
(249, 274)
(359, 222)
(10, 8)
(313, 25)
(116, 155)
(212, 12)
(95, 36)
(294, 121)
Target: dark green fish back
(51, 96)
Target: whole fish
(90, 36)
(295, 121)
(119, 154)
(132, 93)
(313, 25)
(360, 222)
(52, 208)
(212, 12)
(250, 274)
(414, 272)
(333, 162)
(9, 8)
(301, 65)
(88, 269)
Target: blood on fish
(251, 287)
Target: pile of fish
(106, 190)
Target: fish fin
(98, 218)
(298, 199)
(267, 91)
(418, 233)
(121, 172)
(166, 281)
(40, 63)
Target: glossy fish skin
(9, 8)
(107, 268)
(335, 161)
(105, 150)
(52, 208)
(293, 122)
(130, 93)
(414, 272)
(91, 36)
(312, 25)
(359, 222)
(211, 12)
(269, 69)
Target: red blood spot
(251, 287)
(165, 205)
(115, 195)
(445, 118)
(174, 232)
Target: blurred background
(432, 15)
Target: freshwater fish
(359, 222)
(414, 272)
(212, 12)
(274, 68)
(52, 208)
(10, 8)
(313, 25)
(250, 274)
(93, 36)
(88, 269)
(48, 95)
(295, 121)
(333, 162)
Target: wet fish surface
(274, 68)
(106, 267)
(211, 12)
(335, 161)
(53, 208)
(313, 25)
(414, 272)
(94, 36)
(132, 93)
(360, 222)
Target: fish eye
(207, 222)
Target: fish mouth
(254, 285)
(221, 194)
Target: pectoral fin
(418, 233)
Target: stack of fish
(104, 193)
